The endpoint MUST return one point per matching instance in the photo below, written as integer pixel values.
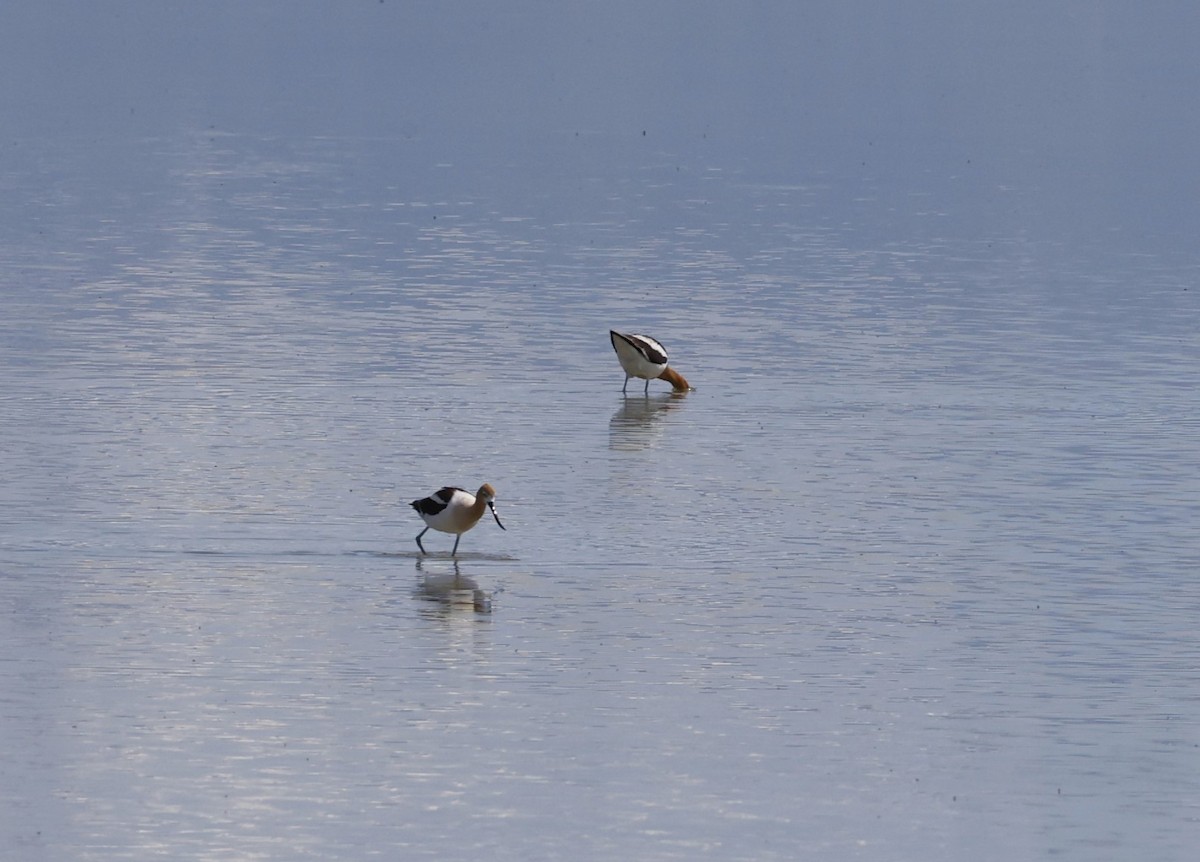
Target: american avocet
(453, 510)
(642, 356)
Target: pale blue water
(911, 574)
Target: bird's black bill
(497, 517)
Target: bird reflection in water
(452, 589)
(637, 422)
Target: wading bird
(453, 510)
(642, 356)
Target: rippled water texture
(911, 574)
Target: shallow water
(911, 573)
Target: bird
(642, 356)
(453, 510)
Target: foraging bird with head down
(453, 510)
(642, 356)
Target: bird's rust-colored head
(675, 379)
(487, 494)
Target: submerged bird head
(487, 493)
(675, 379)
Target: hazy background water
(911, 574)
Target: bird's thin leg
(626, 384)
(647, 389)
(419, 535)
(455, 551)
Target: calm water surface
(910, 574)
